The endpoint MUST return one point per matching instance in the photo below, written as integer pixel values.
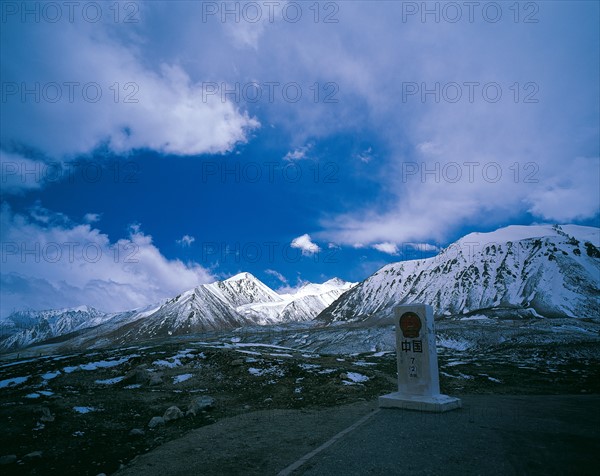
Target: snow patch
(181, 378)
(13, 382)
(84, 410)
(109, 381)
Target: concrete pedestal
(435, 404)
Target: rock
(8, 459)
(267, 400)
(237, 362)
(137, 432)
(172, 413)
(199, 404)
(46, 415)
(155, 379)
(138, 375)
(32, 456)
(156, 421)
(247, 407)
(101, 474)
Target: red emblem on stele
(410, 325)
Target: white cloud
(305, 244)
(424, 247)
(297, 154)
(140, 104)
(19, 174)
(288, 289)
(186, 241)
(366, 156)
(572, 193)
(277, 274)
(92, 217)
(54, 263)
(389, 248)
(369, 74)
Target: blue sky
(138, 160)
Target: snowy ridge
(517, 271)
(36, 326)
(238, 301)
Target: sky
(149, 147)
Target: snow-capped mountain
(303, 305)
(238, 301)
(549, 271)
(27, 327)
(235, 302)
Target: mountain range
(541, 271)
(241, 300)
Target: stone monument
(418, 375)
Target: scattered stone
(156, 421)
(139, 375)
(172, 413)
(46, 415)
(155, 379)
(237, 362)
(34, 455)
(247, 407)
(137, 432)
(8, 459)
(267, 400)
(200, 404)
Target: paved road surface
(508, 435)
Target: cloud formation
(100, 90)
(48, 261)
(305, 244)
(186, 241)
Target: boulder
(137, 432)
(46, 415)
(199, 404)
(172, 413)
(156, 421)
(139, 375)
(32, 456)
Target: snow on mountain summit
(302, 305)
(517, 271)
(241, 276)
(522, 232)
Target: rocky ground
(95, 411)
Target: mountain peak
(524, 232)
(240, 277)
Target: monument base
(437, 403)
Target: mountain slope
(36, 326)
(550, 271)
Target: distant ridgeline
(514, 272)
(239, 301)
